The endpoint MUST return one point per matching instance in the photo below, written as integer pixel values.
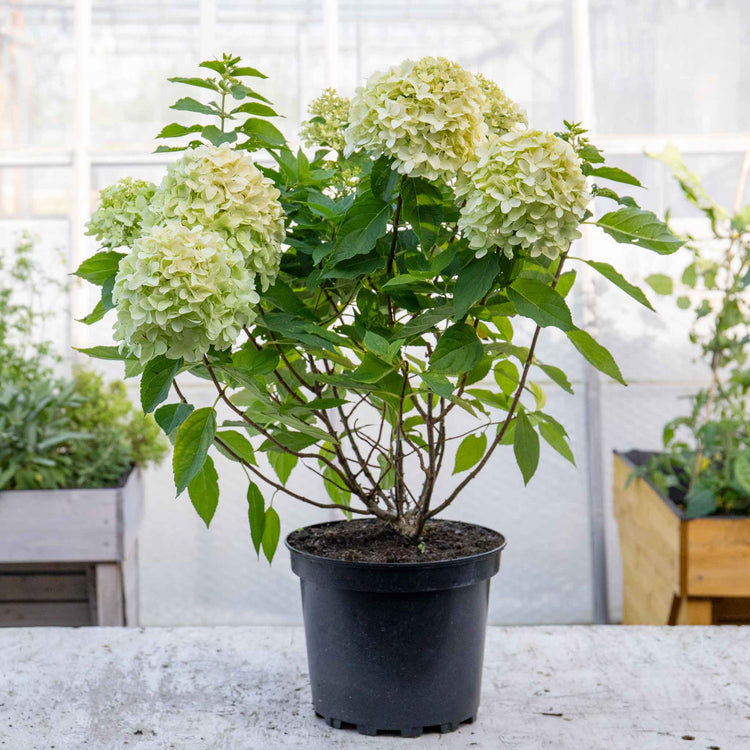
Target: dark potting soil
(368, 540)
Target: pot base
(408, 732)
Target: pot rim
(395, 565)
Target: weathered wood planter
(69, 557)
(678, 571)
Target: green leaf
(613, 173)
(105, 352)
(458, 350)
(422, 208)
(701, 500)
(203, 83)
(238, 444)
(683, 302)
(596, 354)
(96, 314)
(555, 436)
(639, 227)
(157, 380)
(556, 375)
(188, 104)
(271, 533)
(171, 416)
(256, 515)
(742, 471)
(264, 131)
(216, 65)
(176, 131)
(217, 137)
(365, 223)
(282, 464)
(474, 281)
(383, 178)
(526, 447)
(606, 270)
(100, 268)
(204, 491)
(336, 492)
(256, 362)
(534, 299)
(246, 71)
(371, 369)
(660, 283)
(255, 108)
(437, 384)
(506, 376)
(470, 452)
(194, 438)
(425, 321)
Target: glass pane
(35, 192)
(674, 66)
(37, 75)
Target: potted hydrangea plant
(347, 305)
(684, 513)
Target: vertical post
(81, 163)
(584, 112)
(331, 41)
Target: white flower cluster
(523, 192)
(221, 189)
(426, 115)
(181, 290)
(118, 220)
(330, 115)
(501, 113)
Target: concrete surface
(238, 688)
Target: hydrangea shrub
(348, 304)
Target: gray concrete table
(246, 688)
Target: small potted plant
(70, 496)
(347, 305)
(683, 513)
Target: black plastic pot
(395, 646)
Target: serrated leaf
(556, 375)
(194, 438)
(282, 464)
(188, 104)
(473, 282)
(534, 299)
(256, 515)
(271, 533)
(660, 283)
(526, 447)
(171, 416)
(470, 452)
(203, 83)
(458, 351)
(175, 130)
(217, 137)
(422, 208)
(264, 131)
(157, 380)
(638, 227)
(238, 444)
(437, 384)
(609, 273)
(383, 179)
(365, 223)
(204, 491)
(613, 173)
(247, 71)
(99, 268)
(255, 108)
(596, 354)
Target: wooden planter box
(678, 571)
(69, 557)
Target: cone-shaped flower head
(118, 220)
(330, 115)
(524, 191)
(501, 113)
(221, 189)
(179, 291)
(426, 115)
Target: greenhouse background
(83, 92)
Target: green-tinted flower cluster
(524, 192)
(330, 115)
(118, 220)
(221, 189)
(181, 290)
(501, 113)
(426, 115)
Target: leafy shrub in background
(57, 432)
(706, 460)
